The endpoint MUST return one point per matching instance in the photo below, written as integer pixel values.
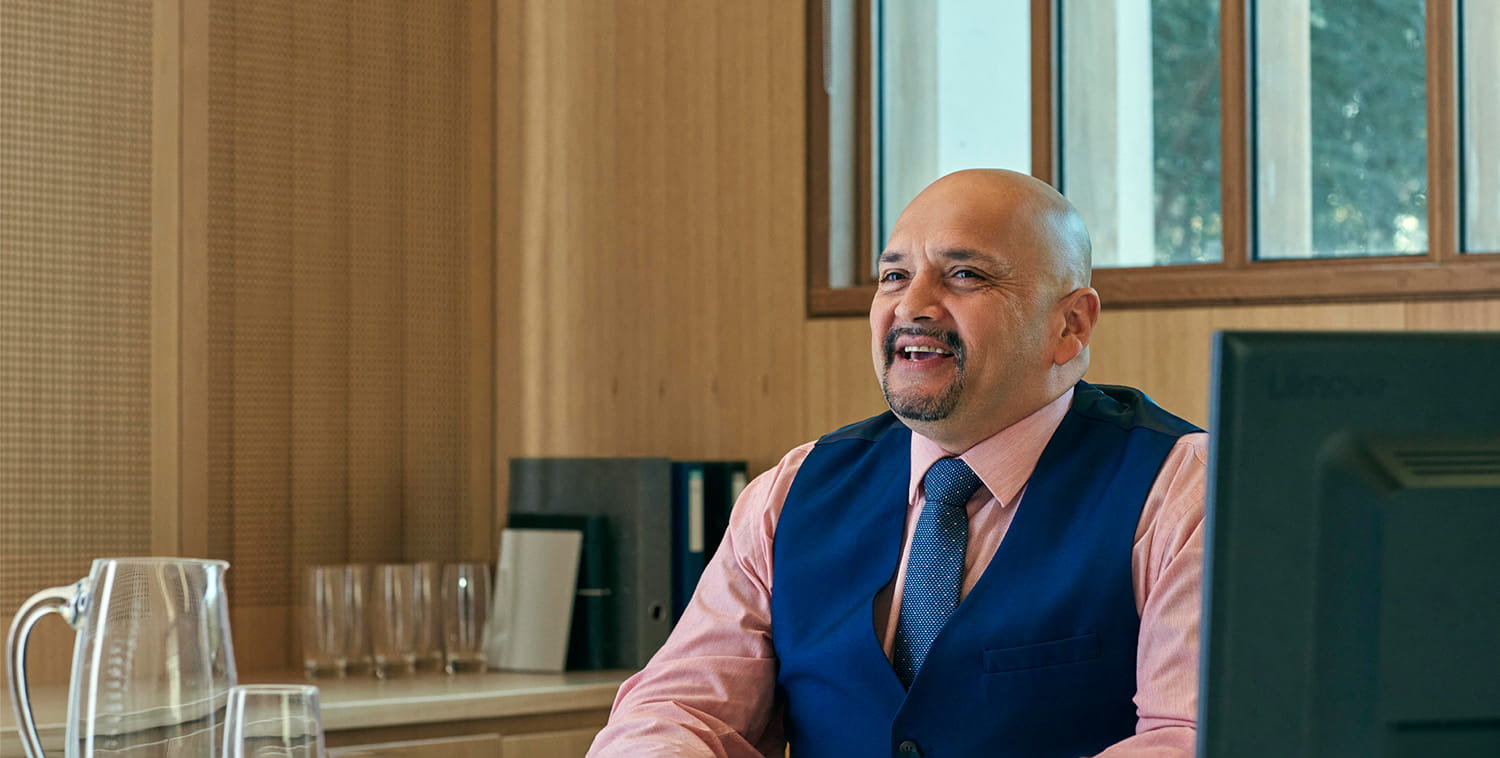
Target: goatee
(917, 406)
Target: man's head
(983, 312)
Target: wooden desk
(495, 715)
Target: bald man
(1006, 563)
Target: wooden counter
(513, 715)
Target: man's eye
(892, 276)
(965, 274)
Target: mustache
(950, 340)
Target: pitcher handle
(66, 602)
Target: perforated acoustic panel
(339, 286)
(75, 264)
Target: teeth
(921, 349)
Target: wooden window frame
(1443, 272)
(824, 299)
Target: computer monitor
(1352, 565)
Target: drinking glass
(273, 721)
(327, 614)
(393, 619)
(426, 576)
(465, 611)
(357, 576)
(335, 633)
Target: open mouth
(921, 353)
(915, 346)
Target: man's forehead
(898, 254)
(960, 223)
(1012, 219)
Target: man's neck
(956, 437)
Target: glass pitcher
(152, 664)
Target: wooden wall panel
(319, 283)
(76, 337)
(1457, 315)
(654, 229)
(511, 164)
(478, 539)
(1164, 354)
(435, 179)
(256, 360)
(568, 253)
(377, 307)
(841, 383)
(168, 272)
(342, 282)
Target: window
(951, 91)
(900, 92)
(1340, 129)
(1139, 96)
(1220, 152)
(1481, 126)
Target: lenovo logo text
(1327, 386)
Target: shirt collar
(1003, 461)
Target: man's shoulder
(777, 481)
(867, 430)
(1128, 408)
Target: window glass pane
(1140, 128)
(1481, 125)
(840, 82)
(1341, 128)
(954, 84)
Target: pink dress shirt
(711, 690)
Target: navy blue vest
(1039, 659)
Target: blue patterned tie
(935, 567)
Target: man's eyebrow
(959, 254)
(963, 254)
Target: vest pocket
(1083, 647)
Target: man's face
(961, 319)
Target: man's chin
(921, 402)
(921, 408)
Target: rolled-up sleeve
(711, 689)
(1168, 562)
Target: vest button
(908, 748)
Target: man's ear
(1080, 311)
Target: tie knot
(950, 481)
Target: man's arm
(1169, 585)
(710, 691)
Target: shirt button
(908, 748)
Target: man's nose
(922, 300)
